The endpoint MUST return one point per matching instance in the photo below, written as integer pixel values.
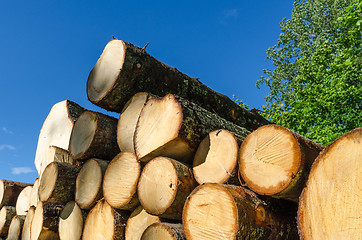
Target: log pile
(180, 162)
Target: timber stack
(181, 162)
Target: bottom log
(104, 222)
(27, 224)
(215, 211)
(71, 222)
(164, 231)
(6, 215)
(15, 228)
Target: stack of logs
(181, 162)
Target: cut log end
(105, 73)
(27, 224)
(164, 231)
(272, 152)
(159, 123)
(23, 202)
(158, 185)
(210, 213)
(330, 205)
(48, 181)
(83, 134)
(88, 184)
(121, 179)
(71, 222)
(216, 157)
(15, 228)
(138, 221)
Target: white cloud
(21, 170)
(4, 129)
(7, 146)
(230, 13)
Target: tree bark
(276, 161)
(56, 130)
(128, 120)
(174, 127)
(164, 231)
(46, 221)
(9, 192)
(132, 70)
(57, 184)
(105, 222)
(120, 181)
(330, 204)
(27, 224)
(94, 136)
(23, 201)
(216, 158)
(71, 222)
(215, 211)
(6, 215)
(138, 222)
(164, 186)
(88, 188)
(15, 228)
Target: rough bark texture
(305, 152)
(10, 192)
(330, 204)
(8, 212)
(143, 73)
(171, 231)
(196, 125)
(104, 143)
(64, 187)
(253, 219)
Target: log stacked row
(180, 162)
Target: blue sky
(47, 49)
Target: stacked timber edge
(124, 70)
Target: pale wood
(9, 191)
(94, 135)
(57, 184)
(34, 195)
(23, 202)
(164, 231)
(216, 158)
(124, 69)
(276, 161)
(88, 188)
(27, 224)
(137, 222)
(164, 186)
(56, 130)
(6, 215)
(104, 222)
(120, 181)
(56, 154)
(330, 205)
(16, 227)
(45, 221)
(128, 120)
(215, 211)
(174, 127)
(71, 222)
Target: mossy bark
(74, 110)
(143, 73)
(11, 192)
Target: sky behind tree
(48, 48)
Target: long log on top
(9, 192)
(124, 69)
(330, 204)
(174, 127)
(215, 211)
(56, 130)
(276, 161)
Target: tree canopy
(316, 85)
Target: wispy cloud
(4, 129)
(21, 170)
(230, 13)
(7, 146)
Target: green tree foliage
(316, 86)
